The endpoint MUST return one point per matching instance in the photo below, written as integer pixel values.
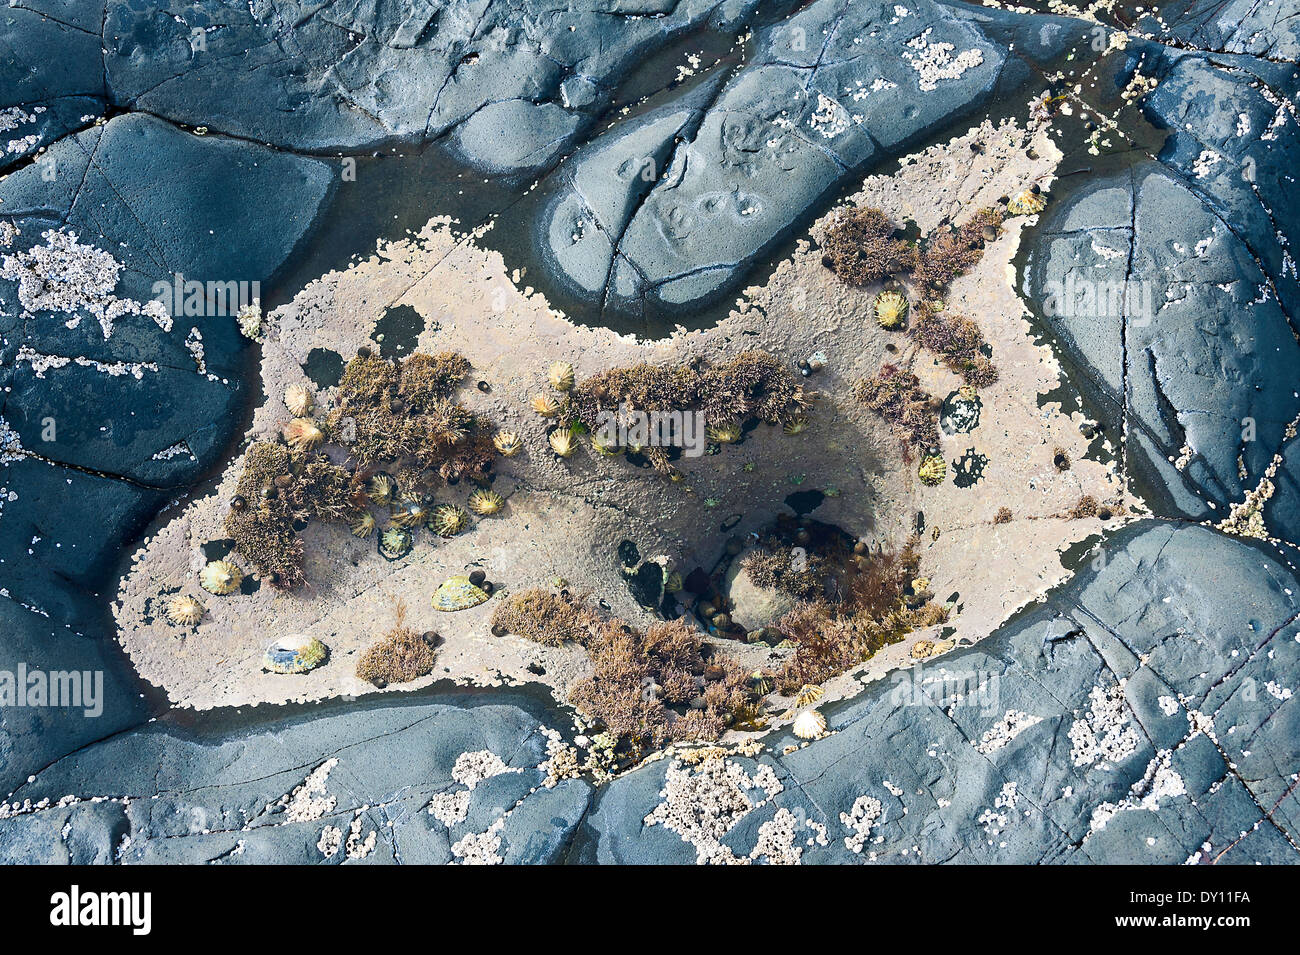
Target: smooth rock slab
(736, 163)
(368, 771)
(1178, 337)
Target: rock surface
(1132, 718)
(1193, 367)
(1144, 713)
(355, 785)
(108, 410)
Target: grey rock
(753, 607)
(168, 796)
(161, 201)
(738, 161)
(1185, 358)
(356, 77)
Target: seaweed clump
(397, 414)
(897, 396)
(877, 606)
(403, 413)
(950, 251)
(947, 253)
(773, 563)
(958, 341)
(544, 617)
(862, 248)
(648, 688)
(655, 687)
(753, 386)
(399, 656)
(278, 488)
(1086, 506)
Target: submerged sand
(565, 519)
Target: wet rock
(733, 166)
(509, 94)
(100, 428)
(271, 794)
(752, 606)
(1194, 320)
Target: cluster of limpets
(809, 723)
(408, 512)
(217, 577)
(560, 377)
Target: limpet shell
(394, 543)
(809, 724)
(220, 577)
(1027, 203)
(184, 610)
(891, 309)
(293, 653)
(457, 593)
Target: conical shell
(298, 399)
(184, 610)
(560, 375)
(221, 577)
(809, 724)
